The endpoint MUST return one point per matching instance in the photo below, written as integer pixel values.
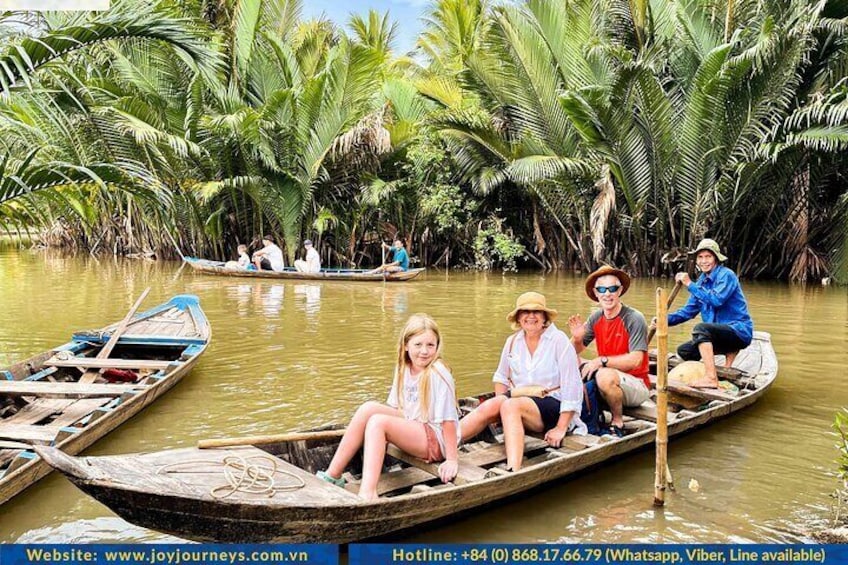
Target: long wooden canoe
(44, 402)
(218, 268)
(184, 491)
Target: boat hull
(218, 268)
(178, 509)
(103, 421)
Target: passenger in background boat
(537, 355)
(726, 326)
(621, 336)
(270, 257)
(420, 416)
(312, 264)
(244, 258)
(400, 259)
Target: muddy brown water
(289, 355)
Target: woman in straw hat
(540, 357)
(726, 326)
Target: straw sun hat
(602, 272)
(531, 301)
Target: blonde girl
(419, 416)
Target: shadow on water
(295, 354)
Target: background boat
(68, 398)
(219, 268)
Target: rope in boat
(246, 475)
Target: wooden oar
(263, 440)
(677, 286)
(91, 375)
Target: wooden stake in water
(661, 478)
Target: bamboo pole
(264, 440)
(677, 286)
(91, 375)
(661, 478)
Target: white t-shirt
(313, 261)
(442, 400)
(243, 260)
(553, 364)
(275, 257)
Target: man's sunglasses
(612, 289)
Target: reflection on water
(287, 355)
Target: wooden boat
(219, 268)
(184, 491)
(54, 399)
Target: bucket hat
(712, 246)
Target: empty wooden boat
(67, 397)
(219, 268)
(268, 491)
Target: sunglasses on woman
(612, 289)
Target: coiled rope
(251, 475)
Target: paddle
(90, 375)
(677, 286)
(383, 260)
(262, 440)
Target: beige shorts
(634, 390)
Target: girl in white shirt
(420, 416)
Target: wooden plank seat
(731, 374)
(92, 363)
(496, 452)
(467, 472)
(648, 413)
(24, 429)
(28, 433)
(705, 393)
(399, 479)
(64, 390)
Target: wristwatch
(604, 361)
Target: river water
(289, 355)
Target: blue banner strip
(168, 554)
(594, 554)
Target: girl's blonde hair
(416, 325)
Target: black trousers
(265, 264)
(722, 336)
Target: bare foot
(705, 384)
(368, 495)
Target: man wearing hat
(312, 264)
(726, 326)
(621, 335)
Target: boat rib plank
(63, 390)
(38, 410)
(28, 433)
(92, 363)
(467, 472)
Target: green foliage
(494, 245)
(567, 133)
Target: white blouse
(554, 364)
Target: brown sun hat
(602, 272)
(532, 301)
